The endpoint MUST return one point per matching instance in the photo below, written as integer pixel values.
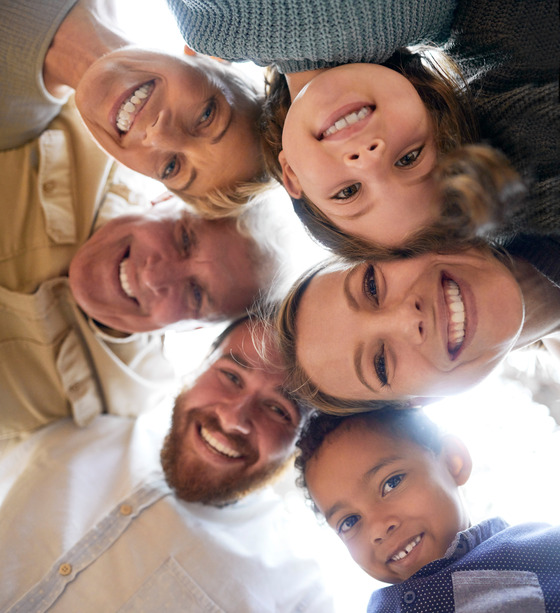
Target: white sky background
(514, 442)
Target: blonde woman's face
(358, 142)
(427, 326)
(179, 120)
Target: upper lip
(338, 114)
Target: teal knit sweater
(301, 35)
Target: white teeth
(404, 552)
(347, 120)
(456, 326)
(123, 277)
(130, 106)
(217, 446)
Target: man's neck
(86, 34)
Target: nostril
(417, 305)
(354, 156)
(372, 147)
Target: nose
(364, 154)
(161, 134)
(235, 414)
(405, 321)
(381, 528)
(160, 274)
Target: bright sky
(514, 442)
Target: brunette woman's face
(427, 326)
(358, 142)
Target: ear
(457, 459)
(289, 178)
(188, 51)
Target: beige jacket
(53, 360)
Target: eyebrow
(368, 475)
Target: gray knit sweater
(508, 50)
(301, 35)
(26, 31)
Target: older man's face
(234, 428)
(142, 272)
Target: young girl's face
(358, 142)
(395, 504)
(426, 326)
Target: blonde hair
(475, 183)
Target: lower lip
(210, 453)
(411, 558)
(350, 130)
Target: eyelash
(207, 116)
(370, 290)
(399, 478)
(341, 195)
(170, 169)
(232, 377)
(415, 154)
(341, 530)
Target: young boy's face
(358, 141)
(395, 504)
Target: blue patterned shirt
(490, 568)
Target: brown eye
(409, 159)
(347, 192)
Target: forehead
(248, 343)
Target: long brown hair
(475, 183)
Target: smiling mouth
(405, 551)
(123, 278)
(456, 316)
(217, 446)
(132, 106)
(347, 120)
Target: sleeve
(299, 35)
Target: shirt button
(65, 569)
(125, 509)
(49, 186)
(409, 597)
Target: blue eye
(380, 366)
(409, 159)
(391, 483)
(208, 112)
(170, 169)
(347, 192)
(348, 523)
(370, 284)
